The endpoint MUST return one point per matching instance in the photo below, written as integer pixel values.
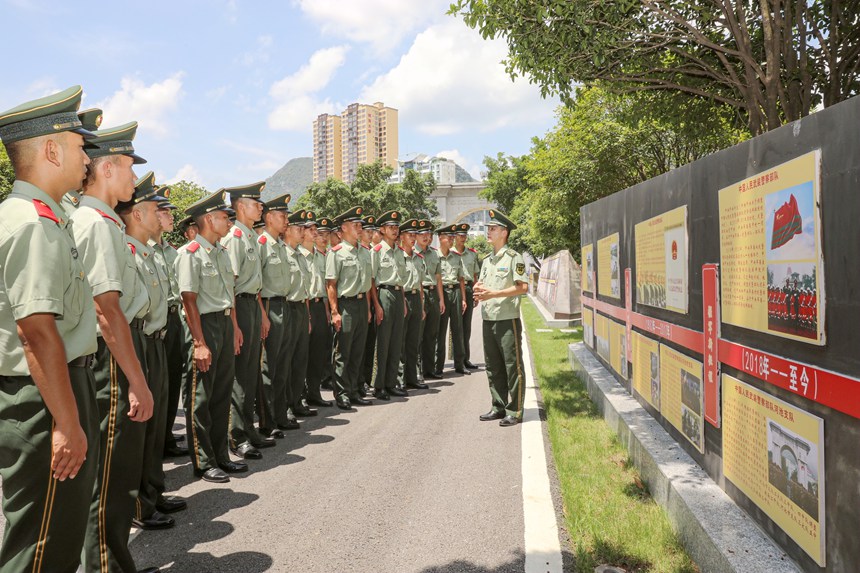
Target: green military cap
(91, 119)
(325, 224)
(310, 218)
(389, 218)
(114, 141)
(410, 226)
(164, 191)
(353, 214)
(259, 224)
(185, 223)
(251, 191)
(463, 228)
(500, 219)
(145, 189)
(208, 204)
(278, 203)
(425, 226)
(448, 230)
(51, 114)
(369, 222)
(297, 217)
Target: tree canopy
(773, 61)
(7, 174)
(183, 194)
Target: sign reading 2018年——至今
(661, 261)
(774, 453)
(770, 251)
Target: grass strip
(609, 514)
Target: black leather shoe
(155, 521)
(359, 401)
(418, 386)
(381, 395)
(509, 421)
(303, 412)
(170, 504)
(292, 424)
(343, 403)
(150, 570)
(398, 391)
(437, 375)
(469, 365)
(265, 442)
(277, 434)
(363, 390)
(491, 415)
(319, 403)
(234, 467)
(462, 371)
(215, 475)
(175, 451)
(247, 451)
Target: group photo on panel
(110, 328)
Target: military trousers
(272, 395)
(368, 359)
(319, 356)
(349, 346)
(207, 399)
(409, 349)
(249, 318)
(120, 465)
(504, 363)
(453, 315)
(46, 519)
(467, 322)
(389, 337)
(177, 345)
(430, 330)
(298, 353)
(152, 482)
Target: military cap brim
(497, 218)
(49, 115)
(114, 141)
(410, 226)
(297, 218)
(91, 119)
(209, 204)
(278, 203)
(252, 191)
(353, 214)
(447, 230)
(185, 223)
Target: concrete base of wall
(718, 535)
(551, 321)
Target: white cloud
(454, 155)
(382, 24)
(260, 54)
(149, 105)
(451, 80)
(187, 173)
(296, 104)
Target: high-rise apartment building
(364, 133)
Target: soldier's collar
(32, 192)
(204, 243)
(147, 249)
(243, 228)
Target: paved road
(417, 484)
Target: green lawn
(608, 512)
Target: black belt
(359, 296)
(430, 288)
(301, 302)
(158, 334)
(246, 295)
(136, 323)
(275, 298)
(82, 361)
(317, 299)
(450, 287)
(225, 312)
(411, 292)
(173, 309)
(390, 287)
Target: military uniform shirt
(388, 265)
(157, 285)
(414, 270)
(205, 269)
(165, 258)
(301, 276)
(318, 269)
(432, 266)
(277, 278)
(41, 272)
(471, 268)
(241, 244)
(70, 202)
(102, 243)
(343, 264)
(501, 271)
(452, 267)
(367, 263)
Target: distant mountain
(293, 178)
(461, 175)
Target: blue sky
(226, 91)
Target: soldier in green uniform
(434, 299)
(388, 275)
(471, 267)
(325, 235)
(454, 289)
(318, 307)
(140, 215)
(273, 395)
(48, 414)
(91, 120)
(345, 278)
(205, 279)
(414, 294)
(121, 300)
(189, 229)
(503, 281)
(241, 245)
(369, 231)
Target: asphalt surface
(417, 484)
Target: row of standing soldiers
(103, 323)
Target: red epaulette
(471, 249)
(133, 249)
(368, 248)
(193, 246)
(336, 248)
(419, 254)
(237, 232)
(378, 247)
(43, 210)
(108, 217)
(456, 253)
(262, 240)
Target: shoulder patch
(43, 210)
(511, 253)
(336, 248)
(521, 268)
(237, 232)
(133, 249)
(473, 250)
(378, 247)
(193, 246)
(262, 240)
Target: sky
(226, 91)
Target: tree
(773, 61)
(183, 194)
(506, 180)
(480, 244)
(7, 174)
